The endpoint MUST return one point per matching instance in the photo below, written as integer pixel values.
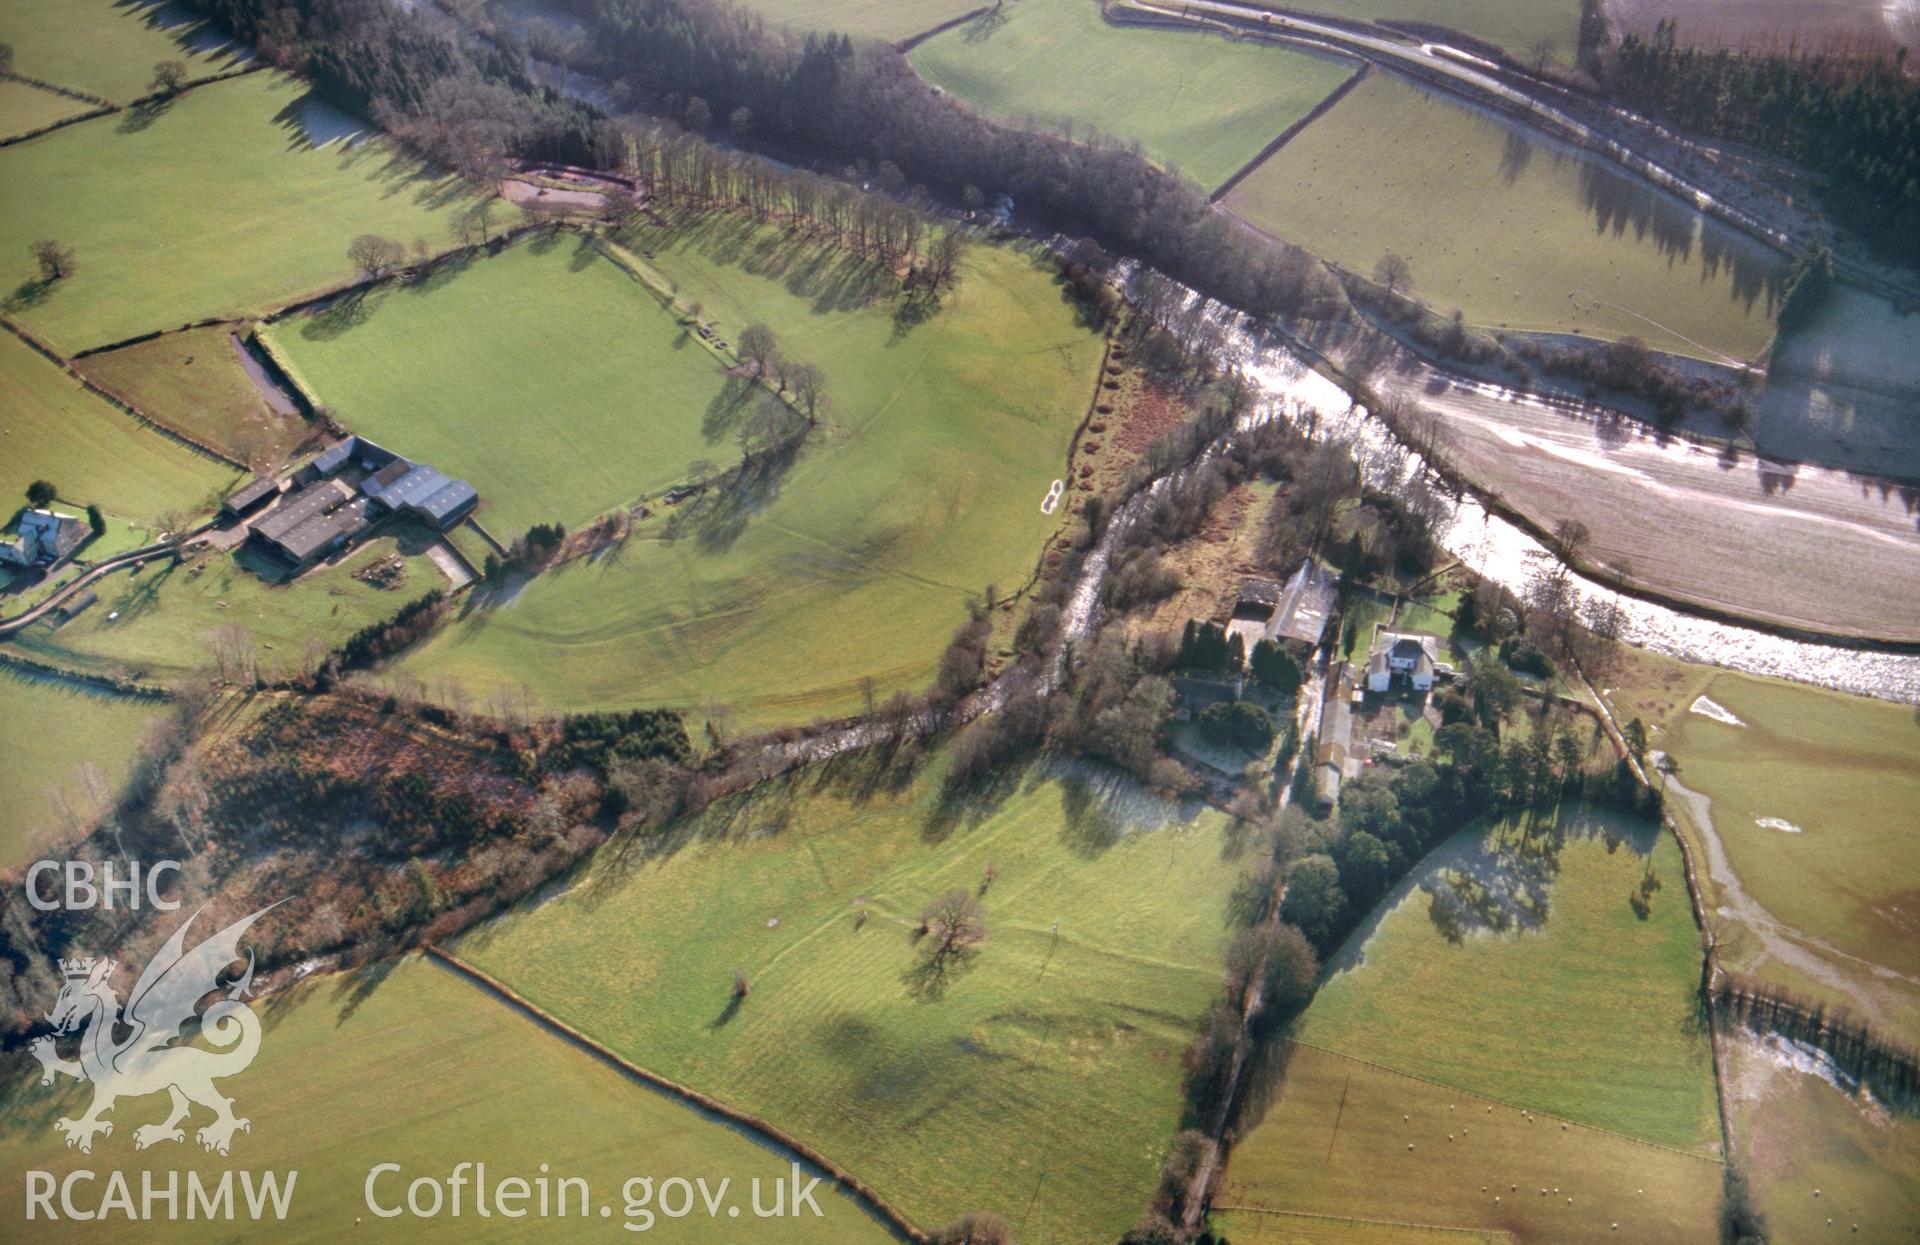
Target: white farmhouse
(1405, 657)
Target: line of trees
(469, 106)
(863, 102)
(1859, 124)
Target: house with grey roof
(43, 537)
(1407, 658)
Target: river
(1499, 550)
(1483, 541)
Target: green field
(1249, 1227)
(52, 429)
(24, 107)
(1798, 1132)
(1518, 969)
(165, 613)
(887, 20)
(1518, 28)
(107, 48)
(48, 731)
(406, 1063)
(217, 204)
(557, 383)
(923, 489)
(1104, 927)
(1516, 233)
(1195, 101)
(193, 382)
(1342, 1137)
(1812, 802)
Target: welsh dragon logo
(165, 998)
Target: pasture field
(1194, 101)
(1517, 967)
(1250, 1227)
(922, 487)
(1517, 233)
(1803, 813)
(1801, 1127)
(887, 20)
(193, 382)
(406, 1063)
(1106, 913)
(109, 47)
(1518, 28)
(557, 383)
(48, 731)
(238, 210)
(52, 429)
(166, 612)
(1343, 1137)
(25, 107)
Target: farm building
(1409, 658)
(342, 492)
(1296, 610)
(43, 538)
(250, 498)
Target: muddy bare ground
(1810, 548)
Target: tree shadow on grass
(351, 309)
(935, 973)
(142, 115)
(970, 803)
(718, 516)
(29, 294)
(355, 988)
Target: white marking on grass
(1777, 823)
(1718, 712)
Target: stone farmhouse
(44, 538)
(340, 496)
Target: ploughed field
(1042, 1075)
(406, 1063)
(921, 487)
(1193, 101)
(228, 200)
(1515, 231)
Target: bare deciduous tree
(375, 255)
(809, 387)
(168, 78)
(54, 258)
(1393, 271)
(758, 346)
